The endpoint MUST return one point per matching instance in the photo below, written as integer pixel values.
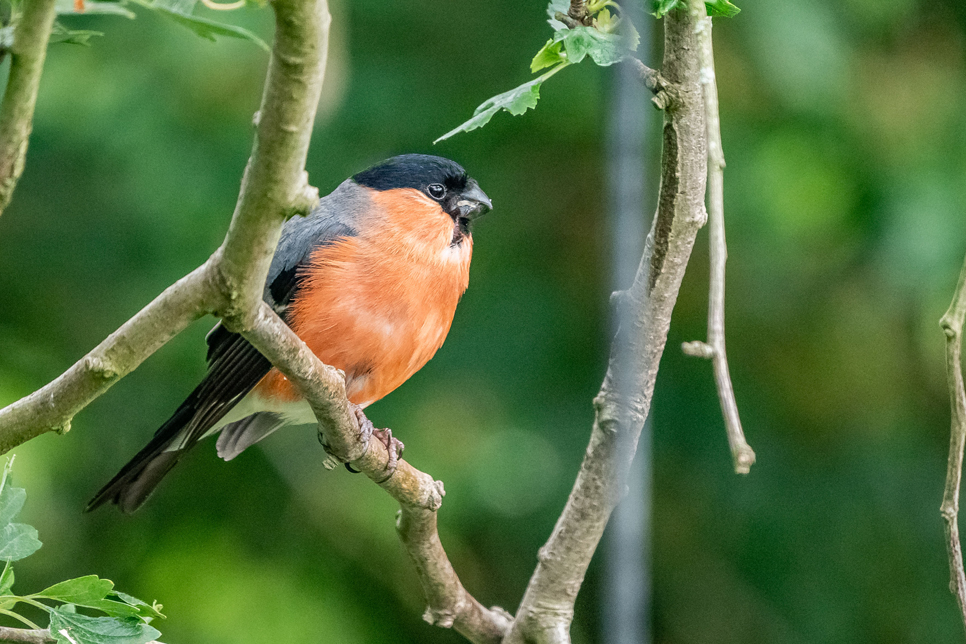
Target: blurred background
(844, 126)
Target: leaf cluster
(609, 39)
(126, 619)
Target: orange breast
(379, 305)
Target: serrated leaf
(548, 56)
(18, 540)
(517, 101)
(603, 48)
(6, 579)
(79, 591)
(61, 34)
(721, 8)
(144, 609)
(75, 628)
(180, 12)
(69, 7)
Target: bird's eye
(436, 190)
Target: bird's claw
(394, 446)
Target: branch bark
(952, 326)
(546, 612)
(741, 453)
(30, 38)
(25, 635)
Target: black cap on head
(439, 179)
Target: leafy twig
(952, 326)
(741, 452)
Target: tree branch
(546, 611)
(418, 494)
(952, 326)
(25, 635)
(231, 283)
(652, 79)
(741, 452)
(30, 37)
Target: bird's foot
(394, 446)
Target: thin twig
(741, 452)
(30, 37)
(652, 79)
(952, 326)
(546, 612)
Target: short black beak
(473, 202)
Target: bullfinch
(369, 280)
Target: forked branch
(547, 609)
(741, 452)
(952, 325)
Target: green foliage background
(845, 135)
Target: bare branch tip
(698, 349)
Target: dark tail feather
(132, 486)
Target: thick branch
(275, 185)
(546, 611)
(952, 325)
(741, 452)
(30, 38)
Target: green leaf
(79, 591)
(69, 628)
(61, 34)
(18, 540)
(517, 101)
(11, 502)
(603, 48)
(663, 7)
(144, 609)
(548, 56)
(721, 8)
(180, 12)
(67, 7)
(6, 579)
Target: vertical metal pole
(627, 548)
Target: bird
(369, 280)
